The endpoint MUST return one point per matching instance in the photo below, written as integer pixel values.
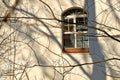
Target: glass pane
(65, 21)
(68, 26)
(69, 41)
(81, 20)
(70, 21)
(82, 40)
(81, 28)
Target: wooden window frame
(74, 49)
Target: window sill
(76, 50)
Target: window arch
(75, 34)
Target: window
(75, 34)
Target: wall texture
(31, 41)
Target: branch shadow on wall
(96, 54)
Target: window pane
(70, 21)
(81, 28)
(75, 35)
(68, 26)
(69, 40)
(81, 20)
(82, 40)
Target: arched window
(75, 34)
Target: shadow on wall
(115, 9)
(25, 32)
(95, 48)
(113, 49)
(96, 54)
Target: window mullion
(75, 35)
(68, 24)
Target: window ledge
(76, 50)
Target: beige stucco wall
(37, 49)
